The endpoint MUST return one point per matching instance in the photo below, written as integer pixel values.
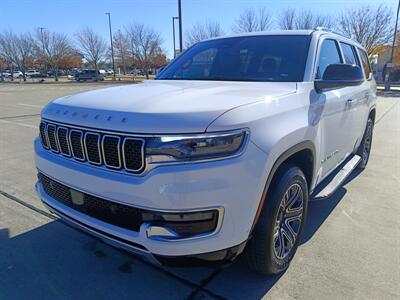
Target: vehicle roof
(272, 32)
(318, 32)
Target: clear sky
(70, 15)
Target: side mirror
(338, 76)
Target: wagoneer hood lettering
(164, 106)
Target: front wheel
(364, 149)
(277, 234)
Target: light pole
(387, 85)
(112, 47)
(173, 32)
(44, 61)
(180, 25)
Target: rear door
(368, 88)
(356, 97)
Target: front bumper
(235, 185)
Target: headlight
(196, 147)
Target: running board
(339, 178)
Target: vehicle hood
(160, 106)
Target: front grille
(114, 151)
(117, 214)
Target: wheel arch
(302, 155)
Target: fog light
(180, 225)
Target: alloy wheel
(288, 221)
(367, 142)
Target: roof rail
(321, 28)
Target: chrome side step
(339, 178)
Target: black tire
(261, 251)
(364, 149)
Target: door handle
(349, 103)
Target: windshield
(249, 58)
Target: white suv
(220, 154)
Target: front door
(336, 119)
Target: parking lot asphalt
(350, 249)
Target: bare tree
(121, 49)
(52, 48)
(17, 49)
(286, 19)
(24, 45)
(7, 49)
(92, 46)
(367, 25)
(303, 19)
(145, 45)
(203, 31)
(251, 20)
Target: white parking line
(30, 105)
(19, 124)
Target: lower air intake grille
(113, 213)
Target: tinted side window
(365, 63)
(328, 55)
(349, 54)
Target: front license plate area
(77, 198)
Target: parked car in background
(219, 155)
(40, 74)
(18, 74)
(6, 74)
(32, 73)
(59, 73)
(137, 72)
(110, 72)
(89, 74)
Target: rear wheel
(365, 147)
(278, 231)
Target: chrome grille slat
(62, 137)
(43, 135)
(133, 154)
(92, 148)
(109, 144)
(76, 142)
(119, 152)
(51, 136)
